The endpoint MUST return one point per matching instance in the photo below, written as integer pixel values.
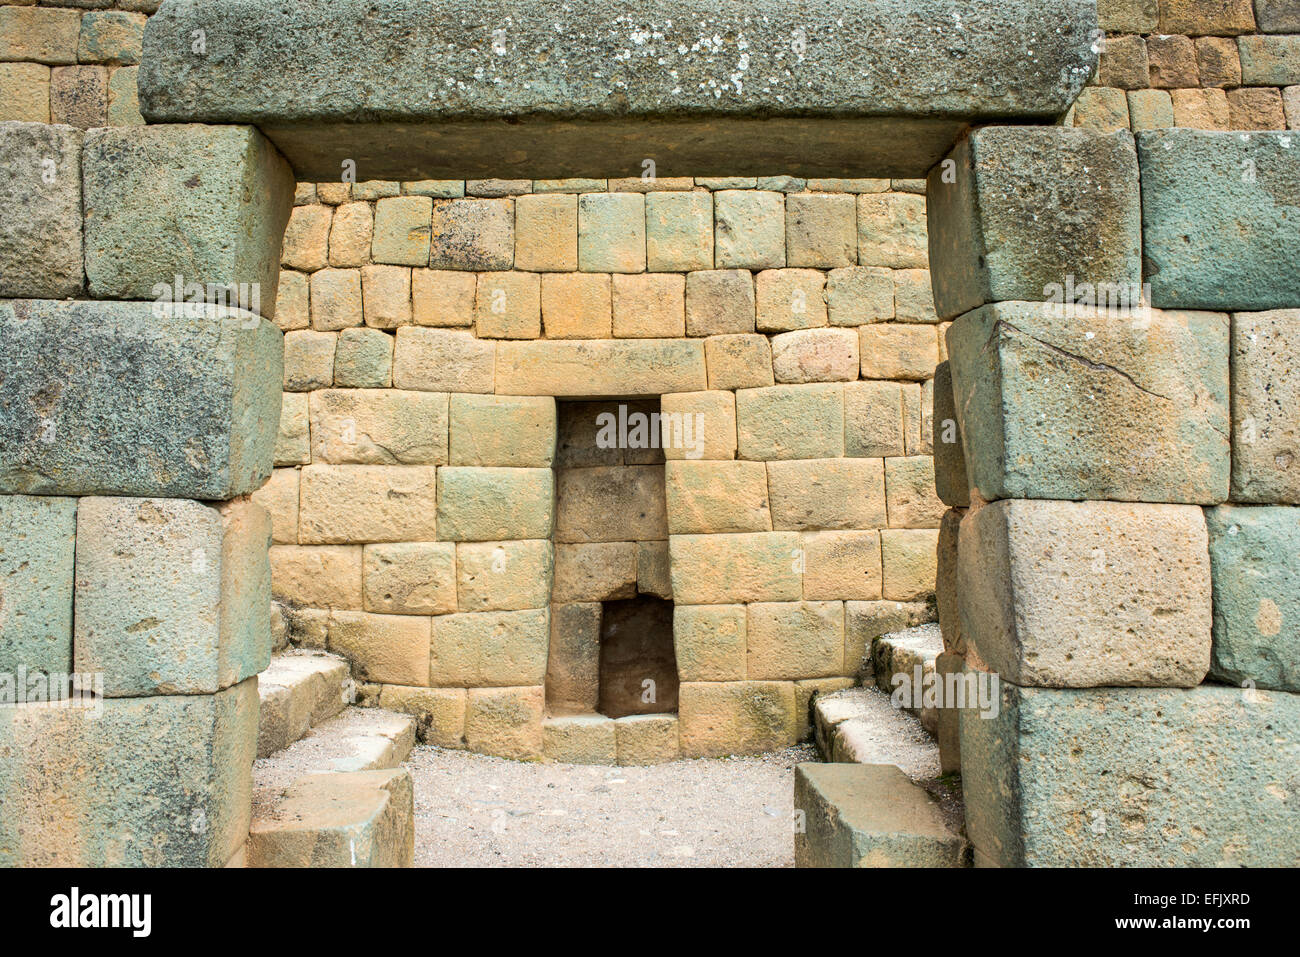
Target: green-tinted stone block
(1255, 562)
(1221, 218)
(37, 537)
(107, 398)
(1132, 777)
(363, 359)
(1092, 405)
(495, 504)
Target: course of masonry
(383, 469)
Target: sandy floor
(477, 811)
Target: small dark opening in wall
(638, 667)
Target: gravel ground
(476, 811)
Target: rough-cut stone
(827, 494)
(869, 815)
(1218, 219)
(790, 422)
(546, 233)
(595, 571)
(646, 738)
(39, 34)
(378, 427)
(321, 576)
(580, 739)
(40, 231)
(25, 93)
(1091, 405)
(989, 241)
(1256, 596)
(319, 98)
(1117, 777)
(349, 504)
(473, 234)
(37, 545)
(495, 504)
(786, 640)
(705, 497)
(506, 722)
(736, 717)
(410, 578)
(206, 203)
(1265, 397)
(1085, 594)
(490, 649)
(172, 596)
(891, 231)
(815, 355)
(363, 359)
(503, 576)
(597, 368)
(719, 302)
(611, 504)
(724, 569)
(151, 782)
(738, 361)
(112, 399)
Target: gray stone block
(172, 596)
(1255, 557)
(1221, 218)
(1133, 777)
(586, 88)
(1030, 213)
(951, 482)
(40, 211)
(1265, 399)
(206, 203)
(37, 538)
(150, 782)
(1091, 405)
(104, 398)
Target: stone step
(299, 691)
(861, 725)
(336, 797)
(348, 819)
(901, 653)
(869, 815)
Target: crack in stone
(1099, 366)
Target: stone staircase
(881, 800)
(328, 786)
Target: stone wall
(429, 328)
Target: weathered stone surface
(490, 649)
(947, 605)
(679, 231)
(495, 504)
(152, 782)
(736, 717)
(646, 738)
(611, 504)
(840, 565)
(295, 692)
(410, 578)
(827, 493)
(37, 547)
(506, 722)
(739, 361)
(723, 569)
(1084, 594)
(442, 360)
(40, 232)
(209, 204)
(390, 649)
(648, 306)
(1256, 596)
(24, 92)
(340, 819)
(598, 368)
(1265, 396)
(1093, 406)
(709, 642)
(719, 301)
(611, 232)
(378, 427)
(111, 399)
(595, 571)
(705, 497)
(951, 483)
(909, 564)
(573, 665)
(439, 712)
(990, 242)
(865, 621)
(172, 596)
(356, 504)
(550, 72)
(790, 422)
(1117, 777)
(815, 355)
(580, 739)
(363, 359)
(786, 640)
(869, 815)
(503, 576)
(909, 492)
(319, 576)
(895, 350)
(1218, 218)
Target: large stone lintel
(412, 89)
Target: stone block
(708, 497)
(898, 351)
(319, 576)
(865, 621)
(224, 190)
(37, 548)
(1116, 777)
(580, 739)
(950, 480)
(946, 592)
(787, 640)
(649, 306)
(307, 238)
(841, 565)
(1123, 63)
(1195, 182)
(709, 642)
(443, 297)
(611, 504)
(508, 306)
(908, 560)
(386, 296)
(869, 815)
(172, 596)
(389, 649)
(293, 439)
(279, 496)
(442, 360)
(988, 244)
(1201, 109)
(308, 360)
(1084, 594)
(816, 494)
(352, 234)
(857, 295)
(357, 504)
(611, 232)
(577, 306)
(719, 302)
(698, 425)
(1265, 392)
(363, 359)
(39, 34)
(873, 419)
(749, 229)
(25, 95)
(410, 578)
(495, 504)
(909, 492)
(439, 712)
(790, 422)
(913, 299)
(729, 568)
(790, 299)
(514, 431)
(79, 96)
(293, 301)
(506, 722)
(646, 739)
(473, 234)
(1277, 16)
(573, 665)
(815, 355)
(598, 368)
(40, 238)
(736, 717)
(1042, 398)
(172, 781)
(546, 233)
(1256, 596)
(490, 649)
(378, 427)
(1255, 108)
(1269, 60)
(202, 395)
(738, 361)
(111, 36)
(679, 231)
(1150, 109)
(336, 301)
(821, 230)
(503, 576)
(652, 570)
(892, 231)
